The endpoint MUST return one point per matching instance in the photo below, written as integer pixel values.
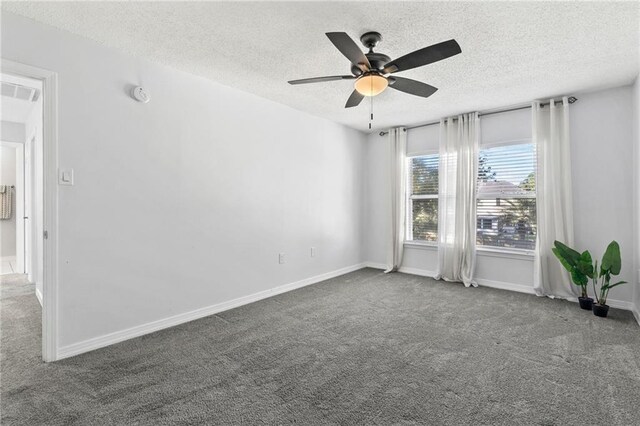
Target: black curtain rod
(571, 100)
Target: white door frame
(50, 203)
(21, 201)
(30, 228)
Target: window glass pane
(507, 222)
(425, 219)
(506, 206)
(424, 175)
(507, 170)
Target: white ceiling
(512, 52)
(17, 110)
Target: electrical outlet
(281, 258)
(313, 252)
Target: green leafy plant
(611, 265)
(579, 265)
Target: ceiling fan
(372, 71)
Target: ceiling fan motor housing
(377, 60)
(373, 72)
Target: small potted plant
(580, 266)
(611, 265)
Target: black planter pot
(586, 303)
(600, 310)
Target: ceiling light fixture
(369, 69)
(371, 84)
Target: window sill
(519, 254)
(425, 245)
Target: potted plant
(611, 265)
(580, 266)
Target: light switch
(65, 177)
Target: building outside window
(506, 196)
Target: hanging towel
(5, 202)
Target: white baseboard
(613, 303)
(404, 270)
(375, 265)
(620, 304)
(636, 313)
(39, 296)
(520, 288)
(416, 271)
(481, 282)
(130, 333)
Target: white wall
(184, 202)
(602, 172)
(602, 176)
(8, 177)
(12, 132)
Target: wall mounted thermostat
(140, 95)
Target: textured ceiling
(512, 52)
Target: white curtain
(457, 198)
(554, 197)
(397, 181)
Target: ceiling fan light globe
(371, 84)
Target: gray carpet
(364, 348)
(15, 285)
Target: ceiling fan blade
(350, 49)
(322, 79)
(412, 87)
(424, 56)
(354, 99)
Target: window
(422, 198)
(506, 197)
(486, 222)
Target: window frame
(408, 199)
(505, 250)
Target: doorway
(22, 251)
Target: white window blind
(506, 196)
(422, 198)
